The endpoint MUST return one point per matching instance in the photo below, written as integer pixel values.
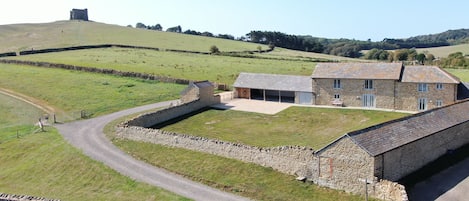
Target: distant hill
(452, 37)
(18, 37)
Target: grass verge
(306, 126)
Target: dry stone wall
(293, 160)
(340, 167)
(12, 197)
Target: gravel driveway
(88, 136)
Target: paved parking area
(257, 106)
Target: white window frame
(439, 86)
(337, 84)
(336, 96)
(422, 104)
(368, 84)
(439, 103)
(422, 87)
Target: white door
(422, 104)
(305, 98)
(369, 100)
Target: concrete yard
(257, 106)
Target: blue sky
(354, 19)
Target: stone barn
(392, 150)
(202, 90)
(271, 87)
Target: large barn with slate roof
(371, 85)
(392, 150)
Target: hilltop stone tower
(79, 14)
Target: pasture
(73, 92)
(304, 126)
(222, 69)
(445, 50)
(18, 37)
(462, 74)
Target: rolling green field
(462, 74)
(446, 50)
(18, 37)
(305, 126)
(73, 91)
(221, 69)
(44, 164)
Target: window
(368, 84)
(336, 96)
(439, 86)
(422, 87)
(337, 84)
(439, 103)
(422, 104)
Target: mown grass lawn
(223, 69)
(73, 91)
(43, 164)
(305, 126)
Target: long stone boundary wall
(292, 160)
(11, 197)
(150, 119)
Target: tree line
(386, 50)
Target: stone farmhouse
(373, 85)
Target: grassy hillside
(73, 91)
(446, 50)
(71, 33)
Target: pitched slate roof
(198, 84)
(274, 82)
(387, 136)
(203, 84)
(380, 71)
(427, 74)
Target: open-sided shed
(278, 88)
